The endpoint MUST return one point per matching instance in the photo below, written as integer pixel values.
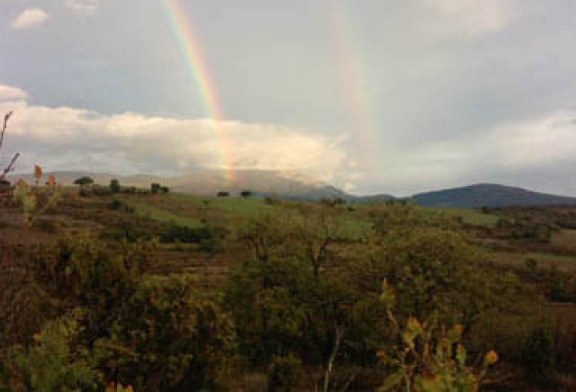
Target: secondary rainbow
(186, 38)
(348, 52)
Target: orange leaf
(37, 172)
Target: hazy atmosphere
(371, 96)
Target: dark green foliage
(82, 181)
(116, 204)
(282, 373)
(155, 188)
(223, 194)
(186, 234)
(168, 338)
(246, 193)
(538, 353)
(101, 190)
(115, 186)
(289, 296)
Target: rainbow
(181, 26)
(353, 74)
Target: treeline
(314, 301)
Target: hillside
(208, 182)
(489, 195)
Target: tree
(291, 295)
(114, 186)
(155, 188)
(83, 182)
(223, 194)
(246, 193)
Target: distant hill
(290, 185)
(210, 181)
(489, 195)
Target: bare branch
(10, 166)
(337, 340)
(6, 118)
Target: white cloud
(494, 154)
(72, 138)
(88, 7)
(8, 93)
(30, 18)
(471, 17)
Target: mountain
(290, 185)
(489, 195)
(210, 181)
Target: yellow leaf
(491, 357)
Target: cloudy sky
(394, 96)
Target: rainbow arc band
(182, 29)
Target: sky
(373, 96)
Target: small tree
(223, 194)
(83, 182)
(246, 193)
(114, 186)
(155, 188)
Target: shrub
(282, 373)
(169, 338)
(114, 186)
(538, 353)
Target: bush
(114, 186)
(169, 338)
(538, 353)
(282, 373)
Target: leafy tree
(51, 363)
(115, 186)
(223, 194)
(155, 188)
(83, 182)
(246, 193)
(169, 338)
(292, 296)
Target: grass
(546, 260)
(472, 216)
(565, 238)
(149, 210)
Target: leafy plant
(36, 200)
(429, 360)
